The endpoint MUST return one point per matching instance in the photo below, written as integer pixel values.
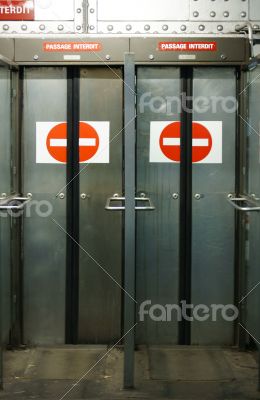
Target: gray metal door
(45, 98)
(212, 249)
(100, 276)
(5, 190)
(213, 218)
(157, 242)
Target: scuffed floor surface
(87, 372)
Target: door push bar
(13, 203)
(116, 198)
(234, 201)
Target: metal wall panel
(45, 91)
(118, 10)
(254, 10)
(253, 271)
(213, 218)
(5, 187)
(157, 243)
(232, 10)
(58, 10)
(146, 17)
(101, 91)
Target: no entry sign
(51, 142)
(16, 10)
(165, 140)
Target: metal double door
(101, 231)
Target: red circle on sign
(57, 142)
(170, 142)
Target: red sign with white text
(62, 47)
(16, 10)
(188, 46)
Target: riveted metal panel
(206, 10)
(28, 50)
(57, 16)
(227, 50)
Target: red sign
(71, 46)
(16, 10)
(57, 142)
(188, 46)
(170, 142)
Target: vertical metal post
(241, 234)
(72, 262)
(129, 267)
(186, 199)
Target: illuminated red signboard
(16, 10)
(188, 46)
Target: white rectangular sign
(165, 141)
(51, 142)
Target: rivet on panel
(195, 14)
(60, 27)
(223, 57)
(165, 27)
(78, 10)
(128, 27)
(201, 27)
(78, 27)
(183, 27)
(151, 57)
(226, 14)
(42, 27)
(220, 27)
(243, 14)
(5, 27)
(91, 27)
(92, 10)
(212, 14)
(110, 28)
(256, 26)
(108, 57)
(36, 57)
(147, 27)
(24, 27)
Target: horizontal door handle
(110, 200)
(14, 203)
(234, 201)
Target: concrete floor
(180, 373)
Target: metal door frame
(15, 333)
(129, 267)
